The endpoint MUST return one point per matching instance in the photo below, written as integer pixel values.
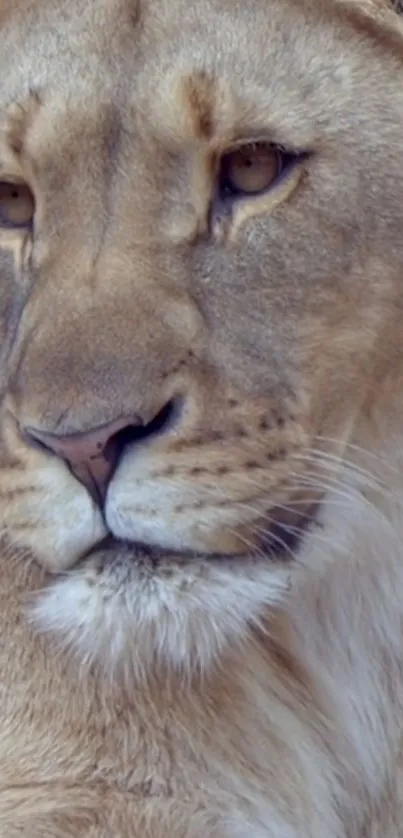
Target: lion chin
(128, 608)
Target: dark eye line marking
(8, 225)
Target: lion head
(201, 259)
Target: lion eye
(17, 205)
(251, 169)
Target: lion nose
(93, 456)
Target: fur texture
(217, 652)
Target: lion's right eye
(250, 169)
(17, 205)
(254, 168)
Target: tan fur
(188, 694)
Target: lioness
(201, 250)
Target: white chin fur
(126, 614)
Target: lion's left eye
(251, 169)
(17, 205)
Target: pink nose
(92, 456)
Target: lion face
(200, 249)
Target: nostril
(167, 417)
(161, 423)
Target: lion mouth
(280, 541)
(287, 531)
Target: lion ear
(378, 9)
(375, 7)
(382, 18)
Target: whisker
(315, 456)
(384, 461)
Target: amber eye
(251, 169)
(17, 205)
